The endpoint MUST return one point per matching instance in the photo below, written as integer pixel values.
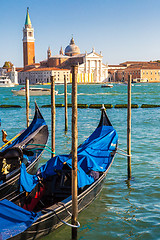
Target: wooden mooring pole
(129, 127)
(53, 115)
(74, 151)
(27, 100)
(65, 101)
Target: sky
(123, 30)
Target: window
(30, 34)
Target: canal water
(123, 210)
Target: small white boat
(6, 82)
(123, 83)
(107, 85)
(33, 91)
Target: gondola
(48, 203)
(26, 148)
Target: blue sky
(122, 30)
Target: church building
(90, 66)
(91, 69)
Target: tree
(7, 65)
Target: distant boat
(6, 82)
(107, 85)
(38, 83)
(123, 83)
(33, 91)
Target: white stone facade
(13, 75)
(93, 68)
(41, 75)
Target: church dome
(72, 49)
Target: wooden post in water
(53, 115)
(27, 100)
(129, 127)
(65, 100)
(74, 151)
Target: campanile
(28, 42)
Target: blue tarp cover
(14, 219)
(93, 155)
(29, 180)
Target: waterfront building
(112, 72)
(140, 71)
(41, 75)
(13, 75)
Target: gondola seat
(10, 160)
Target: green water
(123, 210)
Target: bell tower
(49, 52)
(28, 42)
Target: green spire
(28, 20)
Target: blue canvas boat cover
(29, 180)
(93, 155)
(14, 219)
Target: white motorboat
(107, 85)
(33, 91)
(6, 82)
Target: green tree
(7, 65)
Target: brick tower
(28, 42)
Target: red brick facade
(28, 53)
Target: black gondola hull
(9, 188)
(51, 217)
(50, 221)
